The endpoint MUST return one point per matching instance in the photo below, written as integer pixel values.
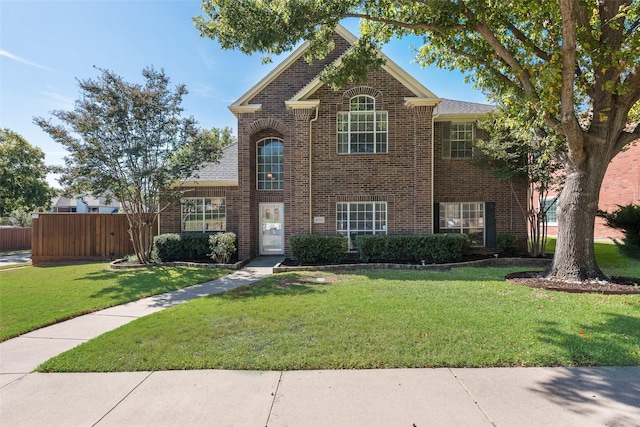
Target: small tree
(513, 153)
(23, 185)
(130, 142)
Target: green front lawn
(33, 297)
(373, 319)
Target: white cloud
(22, 60)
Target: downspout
(433, 164)
(310, 170)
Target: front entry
(271, 229)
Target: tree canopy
(131, 142)
(23, 184)
(572, 65)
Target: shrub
(415, 248)
(181, 247)
(627, 219)
(319, 248)
(167, 247)
(222, 247)
(507, 243)
(195, 246)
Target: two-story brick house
(383, 156)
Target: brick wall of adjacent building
(621, 186)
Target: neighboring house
(621, 186)
(84, 204)
(384, 156)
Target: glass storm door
(271, 228)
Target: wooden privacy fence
(15, 238)
(63, 237)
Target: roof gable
(423, 96)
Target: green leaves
(131, 142)
(23, 185)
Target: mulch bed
(616, 286)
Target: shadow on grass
(134, 284)
(596, 345)
(289, 285)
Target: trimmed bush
(185, 247)
(319, 248)
(222, 246)
(195, 246)
(413, 248)
(507, 243)
(167, 247)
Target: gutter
(310, 170)
(433, 163)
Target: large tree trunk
(577, 206)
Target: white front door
(271, 229)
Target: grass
(33, 297)
(373, 319)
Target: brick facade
(317, 177)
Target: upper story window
(362, 129)
(458, 138)
(270, 165)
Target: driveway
(15, 258)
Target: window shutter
(446, 140)
(490, 224)
(436, 218)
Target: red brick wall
(621, 186)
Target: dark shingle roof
(226, 170)
(449, 106)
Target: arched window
(362, 129)
(270, 172)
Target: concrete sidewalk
(393, 397)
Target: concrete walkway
(393, 397)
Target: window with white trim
(362, 129)
(466, 218)
(354, 218)
(270, 164)
(549, 206)
(203, 214)
(458, 139)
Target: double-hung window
(362, 129)
(270, 164)
(361, 218)
(467, 218)
(204, 214)
(458, 139)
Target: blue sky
(45, 46)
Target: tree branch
(527, 42)
(572, 130)
(401, 24)
(626, 138)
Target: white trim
(240, 109)
(307, 103)
(420, 102)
